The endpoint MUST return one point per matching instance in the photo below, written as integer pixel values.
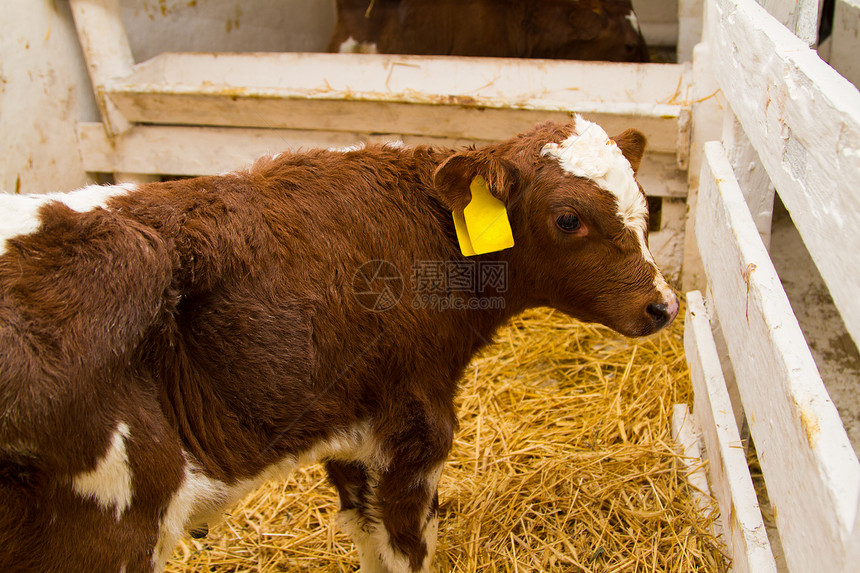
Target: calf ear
(453, 177)
(632, 144)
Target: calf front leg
(392, 515)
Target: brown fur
(557, 29)
(216, 316)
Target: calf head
(579, 220)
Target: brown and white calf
(558, 29)
(165, 347)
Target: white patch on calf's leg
(353, 46)
(431, 534)
(19, 214)
(365, 527)
(197, 494)
(431, 527)
(362, 534)
(363, 524)
(432, 478)
(201, 499)
(373, 540)
(395, 561)
(109, 483)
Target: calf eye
(568, 223)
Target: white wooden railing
(791, 112)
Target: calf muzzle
(663, 313)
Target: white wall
(658, 20)
(44, 89)
(156, 26)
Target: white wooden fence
(795, 115)
(787, 119)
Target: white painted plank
(183, 150)
(854, 542)
(708, 104)
(743, 527)
(476, 98)
(728, 372)
(660, 176)
(689, 28)
(435, 120)
(751, 175)
(489, 82)
(176, 150)
(106, 51)
(803, 118)
(799, 16)
(688, 444)
(136, 178)
(43, 88)
(812, 473)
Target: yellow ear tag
(483, 226)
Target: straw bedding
(563, 462)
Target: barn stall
(784, 119)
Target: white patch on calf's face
(19, 214)
(591, 154)
(109, 483)
(631, 17)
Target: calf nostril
(659, 313)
